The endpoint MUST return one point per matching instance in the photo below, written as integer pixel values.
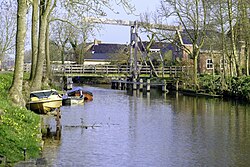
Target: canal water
(151, 130)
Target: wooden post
(141, 84)
(184, 85)
(148, 85)
(134, 84)
(164, 86)
(112, 84)
(127, 85)
(119, 84)
(58, 124)
(177, 85)
(122, 84)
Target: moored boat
(76, 96)
(44, 101)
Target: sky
(121, 34)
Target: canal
(151, 130)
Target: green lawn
(19, 127)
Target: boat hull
(72, 101)
(44, 106)
(88, 97)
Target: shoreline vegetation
(20, 133)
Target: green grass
(19, 127)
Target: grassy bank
(19, 127)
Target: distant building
(103, 53)
(209, 59)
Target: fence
(59, 69)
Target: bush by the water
(234, 86)
(19, 127)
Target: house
(210, 56)
(104, 53)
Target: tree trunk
(48, 64)
(244, 7)
(233, 43)
(37, 82)
(223, 43)
(34, 38)
(44, 12)
(247, 58)
(62, 54)
(195, 68)
(17, 83)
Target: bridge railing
(111, 69)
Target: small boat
(44, 101)
(76, 96)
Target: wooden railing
(110, 69)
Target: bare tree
(7, 27)
(232, 37)
(46, 6)
(193, 15)
(83, 29)
(72, 6)
(60, 36)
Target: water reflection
(142, 129)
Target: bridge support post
(119, 84)
(141, 84)
(134, 84)
(123, 84)
(128, 84)
(164, 86)
(148, 85)
(177, 85)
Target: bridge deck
(111, 70)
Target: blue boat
(76, 96)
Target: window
(209, 64)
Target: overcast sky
(121, 34)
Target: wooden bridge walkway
(111, 70)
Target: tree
(121, 56)
(244, 36)
(46, 6)
(232, 38)
(61, 37)
(34, 38)
(193, 15)
(7, 27)
(16, 87)
(72, 6)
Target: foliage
(120, 57)
(19, 127)
(212, 84)
(240, 86)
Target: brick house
(209, 60)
